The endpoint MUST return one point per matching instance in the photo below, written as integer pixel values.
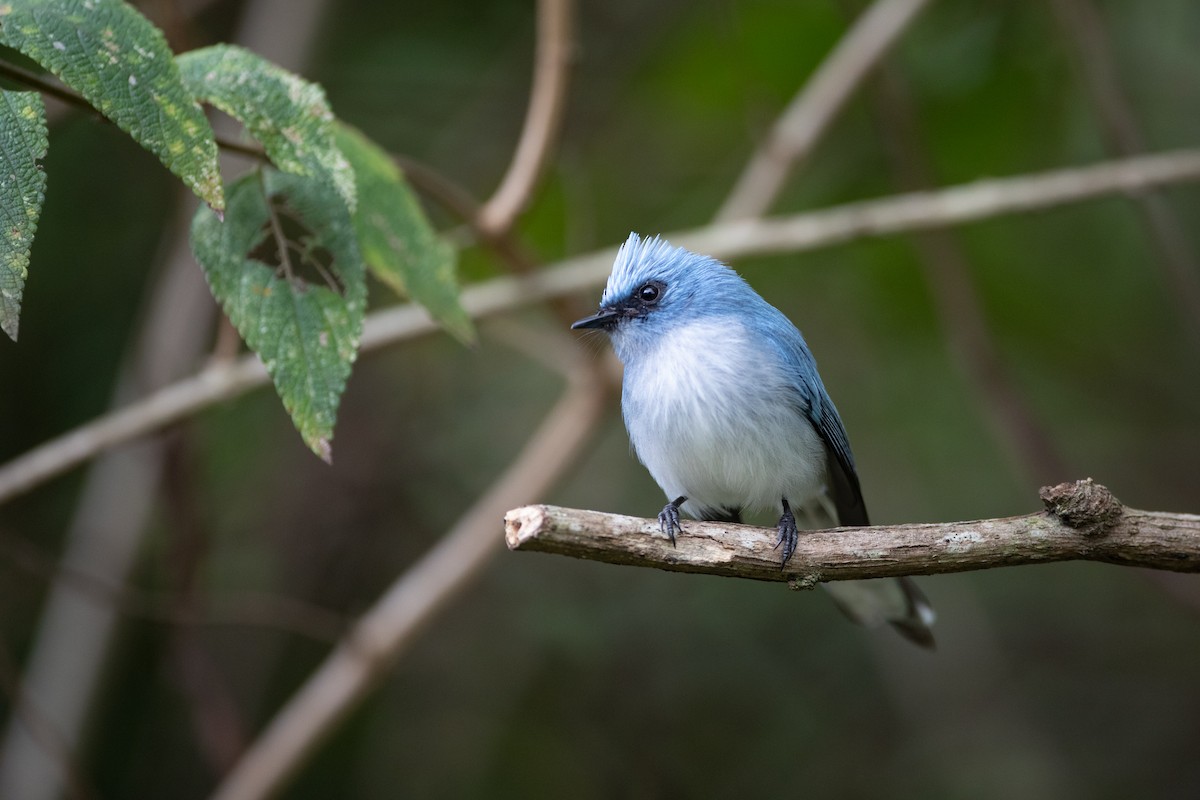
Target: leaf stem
(281, 242)
(306, 250)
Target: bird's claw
(789, 534)
(668, 519)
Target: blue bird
(725, 408)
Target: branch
(800, 126)
(791, 234)
(375, 641)
(1083, 522)
(542, 119)
(941, 208)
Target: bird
(725, 408)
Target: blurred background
(970, 367)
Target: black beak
(605, 318)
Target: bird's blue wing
(815, 404)
(843, 478)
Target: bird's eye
(649, 293)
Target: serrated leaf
(399, 245)
(120, 63)
(287, 114)
(23, 143)
(306, 333)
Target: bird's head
(654, 286)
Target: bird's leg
(789, 534)
(668, 518)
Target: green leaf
(23, 143)
(302, 313)
(120, 63)
(286, 113)
(398, 243)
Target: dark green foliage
(397, 241)
(286, 113)
(120, 62)
(305, 327)
(306, 330)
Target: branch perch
(1082, 522)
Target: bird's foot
(668, 518)
(789, 534)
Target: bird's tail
(896, 601)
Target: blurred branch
(246, 609)
(1083, 27)
(798, 129)
(43, 85)
(375, 641)
(1083, 521)
(546, 346)
(41, 728)
(542, 119)
(940, 208)
(63, 665)
(218, 725)
(960, 311)
(790, 234)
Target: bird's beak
(604, 318)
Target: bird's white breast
(714, 416)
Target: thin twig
(37, 82)
(798, 129)
(251, 151)
(1083, 522)
(542, 120)
(373, 644)
(791, 234)
(281, 242)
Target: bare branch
(1083, 522)
(542, 119)
(373, 644)
(796, 233)
(801, 125)
(944, 207)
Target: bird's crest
(640, 259)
